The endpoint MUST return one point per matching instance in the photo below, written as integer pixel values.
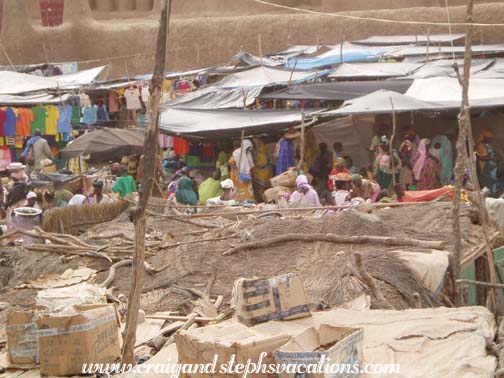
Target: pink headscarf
(420, 159)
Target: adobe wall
(107, 40)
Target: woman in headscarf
(385, 168)
(78, 200)
(376, 146)
(487, 162)
(407, 153)
(285, 152)
(427, 168)
(364, 188)
(242, 163)
(262, 169)
(185, 193)
(305, 195)
(443, 150)
(339, 167)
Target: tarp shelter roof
(264, 76)
(337, 91)
(108, 85)
(16, 83)
(298, 50)
(383, 40)
(448, 90)
(252, 60)
(106, 144)
(228, 123)
(351, 54)
(443, 51)
(374, 70)
(380, 102)
(444, 68)
(216, 98)
(495, 71)
(40, 98)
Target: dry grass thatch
(74, 219)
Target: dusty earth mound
(328, 269)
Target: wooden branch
(331, 238)
(369, 281)
(370, 207)
(173, 245)
(480, 283)
(174, 317)
(210, 284)
(112, 272)
(391, 145)
(218, 301)
(147, 180)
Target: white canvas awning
(422, 51)
(16, 83)
(42, 98)
(263, 76)
(409, 39)
(448, 90)
(444, 68)
(384, 102)
(228, 122)
(216, 98)
(374, 70)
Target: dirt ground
(327, 268)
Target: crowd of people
(324, 177)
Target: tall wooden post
(147, 182)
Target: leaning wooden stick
(331, 238)
(138, 214)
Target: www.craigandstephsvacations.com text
(174, 369)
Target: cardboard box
(89, 334)
(22, 342)
(278, 298)
(324, 346)
(201, 345)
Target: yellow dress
(244, 191)
(262, 170)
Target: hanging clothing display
(89, 115)
(52, 120)
(165, 141)
(64, 120)
(132, 96)
(39, 121)
(113, 102)
(180, 146)
(102, 117)
(2, 122)
(23, 122)
(10, 122)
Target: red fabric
(334, 172)
(180, 146)
(2, 122)
(51, 12)
(428, 195)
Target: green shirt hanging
(40, 114)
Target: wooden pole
(302, 152)
(464, 156)
(391, 146)
(7, 56)
(260, 47)
(342, 37)
(147, 181)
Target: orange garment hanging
(180, 146)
